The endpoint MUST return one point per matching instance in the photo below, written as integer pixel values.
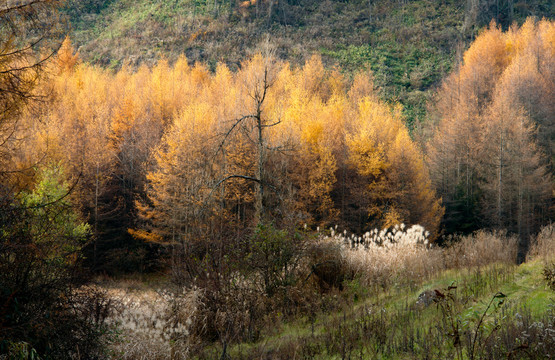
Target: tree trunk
(259, 215)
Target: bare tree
(258, 77)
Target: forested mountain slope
(409, 45)
(269, 200)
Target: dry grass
(154, 325)
(161, 325)
(403, 254)
(480, 249)
(543, 246)
(386, 256)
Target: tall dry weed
(156, 325)
(543, 246)
(481, 248)
(401, 255)
(381, 257)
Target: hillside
(399, 324)
(228, 180)
(492, 311)
(409, 45)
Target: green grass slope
(391, 325)
(409, 45)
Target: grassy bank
(392, 324)
(481, 306)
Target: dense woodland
(175, 152)
(223, 175)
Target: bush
(274, 258)
(246, 283)
(328, 264)
(41, 310)
(521, 336)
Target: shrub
(521, 336)
(41, 312)
(274, 258)
(246, 282)
(328, 264)
(549, 274)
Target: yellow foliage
(67, 58)
(179, 131)
(146, 236)
(488, 108)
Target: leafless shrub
(521, 336)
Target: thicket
(42, 313)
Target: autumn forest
(250, 204)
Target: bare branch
(246, 177)
(236, 123)
(273, 124)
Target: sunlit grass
(401, 319)
(376, 322)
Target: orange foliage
(166, 137)
(67, 58)
(486, 157)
